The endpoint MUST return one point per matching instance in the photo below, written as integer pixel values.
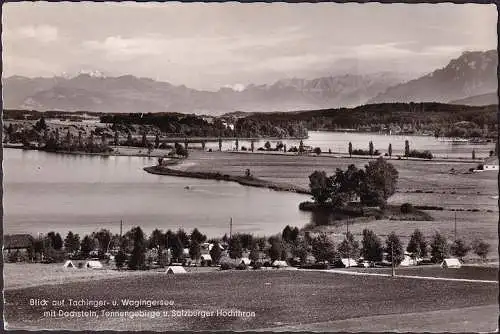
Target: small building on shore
(491, 163)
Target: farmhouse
(17, 247)
(69, 265)
(491, 163)
(206, 260)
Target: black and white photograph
(230, 166)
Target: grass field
(420, 183)
(278, 298)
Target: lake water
(339, 142)
(44, 192)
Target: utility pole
(121, 227)
(392, 260)
(455, 225)
(230, 227)
(348, 246)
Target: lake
(45, 191)
(339, 142)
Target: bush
(422, 155)
(406, 208)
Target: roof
(14, 241)
(491, 161)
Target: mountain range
(473, 73)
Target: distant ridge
(471, 74)
(478, 100)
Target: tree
(275, 250)
(407, 148)
(103, 237)
(289, 234)
(195, 250)
(156, 239)
(473, 154)
(480, 248)
(120, 258)
(350, 150)
(390, 150)
(72, 242)
(176, 247)
(215, 252)
(371, 246)
(220, 144)
(267, 145)
(417, 246)
(459, 249)
(323, 248)
(320, 186)
(370, 148)
(252, 146)
(117, 139)
(301, 146)
(237, 144)
(130, 140)
(57, 242)
(254, 255)
(144, 140)
(197, 236)
(235, 249)
(317, 150)
(157, 141)
(439, 248)
(379, 182)
(40, 124)
(183, 237)
(394, 247)
(138, 257)
(349, 248)
(87, 245)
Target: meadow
(278, 298)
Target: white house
(246, 261)
(491, 163)
(280, 264)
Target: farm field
(413, 175)
(278, 298)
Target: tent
(92, 264)
(175, 270)
(246, 261)
(69, 264)
(349, 262)
(280, 264)
(451, 263)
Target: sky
(207, 46)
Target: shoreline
(157, 153)
(243, 180)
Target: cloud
(43, 33)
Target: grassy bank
(278, 298)
(243, 180)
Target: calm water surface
(44, 191)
